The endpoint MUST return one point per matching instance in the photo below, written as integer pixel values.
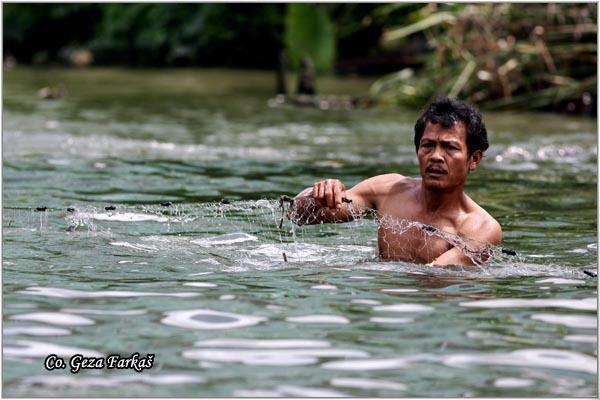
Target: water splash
(256, 235)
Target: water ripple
(543, 358)
(407, 307)
(280, 357)
(256, 393)
(383, 320)
(562, 281)
(303, 391)
(111, 381)
(262, 343)
(201, 284)
(34, 331)
(582, 338)
(26, 348)
(374, 363)
(319, 319)
(589, 303)
(358, 383)
(82, 294)
(513, 382)
(324, 287)
(399, 290)
(230, 238)
(128, 217)
(54, 318)
(209, 319)
(141, 247)
(365, 301)
(573, 321)
(103, 312)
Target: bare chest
(410, 244)
(401, 236)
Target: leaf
(462, 79)
(388, 81)
(309, 33)
(393, 35)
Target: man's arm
(324, 202)
(484, 233)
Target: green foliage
(395, 35)
(141, 34)
(190, 34)
(501, 56)
(198, 34)
(497, 55)
(309, 33)
(42, 30)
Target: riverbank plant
(500, 56)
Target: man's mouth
(435, 171)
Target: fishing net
(240, 234)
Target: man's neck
(440, 200)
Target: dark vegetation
(499, 56)
(204, 35)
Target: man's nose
(437, 154)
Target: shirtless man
(450, 138)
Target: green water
(204, 285)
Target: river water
(203, 284)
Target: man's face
(443, 157)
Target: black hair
(447, 111)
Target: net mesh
(257, 233)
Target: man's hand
(329, 193)
(324, 203)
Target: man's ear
(475, 159)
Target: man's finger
(339, 192)
(329, 194)
(321, 192)
(316, 192)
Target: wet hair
(447, 111)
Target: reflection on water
(209, 319)
(231, 303)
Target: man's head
(450, 139)
(446, 112)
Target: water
(204, 286)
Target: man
(450, 139)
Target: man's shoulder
(377, 189)
(386, 183)
(480, 225)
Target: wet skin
(436, 199)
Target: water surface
(204, 286)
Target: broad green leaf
(309, 33)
